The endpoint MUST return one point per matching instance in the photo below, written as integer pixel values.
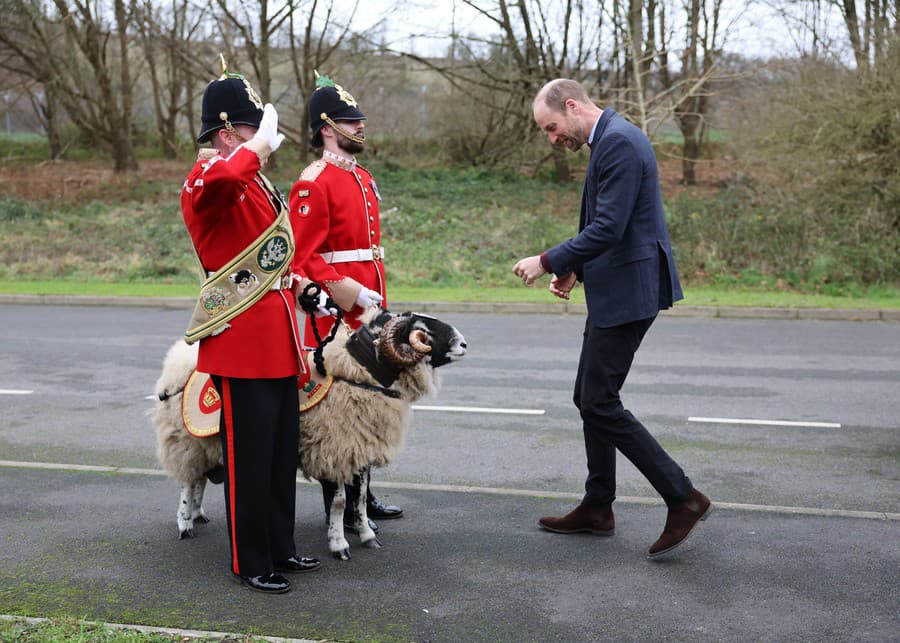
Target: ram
(356, 416)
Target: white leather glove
(324, 309)
(368, 298)
(268, 128)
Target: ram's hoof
(201, 519)
(186, 533)
(372, 544)
(343, 554)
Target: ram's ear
(380, 316)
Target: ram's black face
(447, 344)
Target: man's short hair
(555, 93)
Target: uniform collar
(342, 162)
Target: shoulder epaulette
(312, 171)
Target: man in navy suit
(623, 255)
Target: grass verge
(883, 298)
(24, 630)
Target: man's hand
(562, 286)
(529, 269)
(268, 128)
(368, 298)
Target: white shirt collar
(594, 129)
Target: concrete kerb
(550, 308)
(167, 631)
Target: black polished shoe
(349, 526)
(377, 509)
(267, 584)
(297, 565)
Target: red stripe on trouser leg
(229, 440)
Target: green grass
(451, 234)
(73, 631)
(694, 295)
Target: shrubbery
(823, 204)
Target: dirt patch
(711, 175)
(81, 181)
(76, 182)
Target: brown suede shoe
(598, 520)
(680, 522)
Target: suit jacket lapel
(593, 164)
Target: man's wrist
(545, 263)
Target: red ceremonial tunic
(336, 209)
(226, 207)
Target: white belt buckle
(376, 253)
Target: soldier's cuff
(344, 292)
(259, 147)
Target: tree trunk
(561, 163)
(690, 151)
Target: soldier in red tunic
(246, 324)
(335, 203)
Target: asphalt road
(803, 542)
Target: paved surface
(801, 545)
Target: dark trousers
(606, 357)
(259, 430)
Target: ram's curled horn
(394, 348)
(418, 339)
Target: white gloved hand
(368, 298)
(324, 309)
(268, 128)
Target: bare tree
(314, 43)
(870, 34)
(79, 52)
(168, 38)
(257, 22)
(535, 42)
(686, 93)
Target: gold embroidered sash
(243, 281)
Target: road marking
(478, 409)
(821, 425)
(12, 391)
(497, 491)
(450, 409)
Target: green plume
(323, 81)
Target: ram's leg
(361, 520)
(185, 515)
(337, 543)
(197, 490)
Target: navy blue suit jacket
(622, 252)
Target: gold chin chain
(346, 133)
(230, 128)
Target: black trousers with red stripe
(259, 430)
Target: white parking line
(13, 391)
(451, 409)
(821, 425)
(478, 409)
(497, 491)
